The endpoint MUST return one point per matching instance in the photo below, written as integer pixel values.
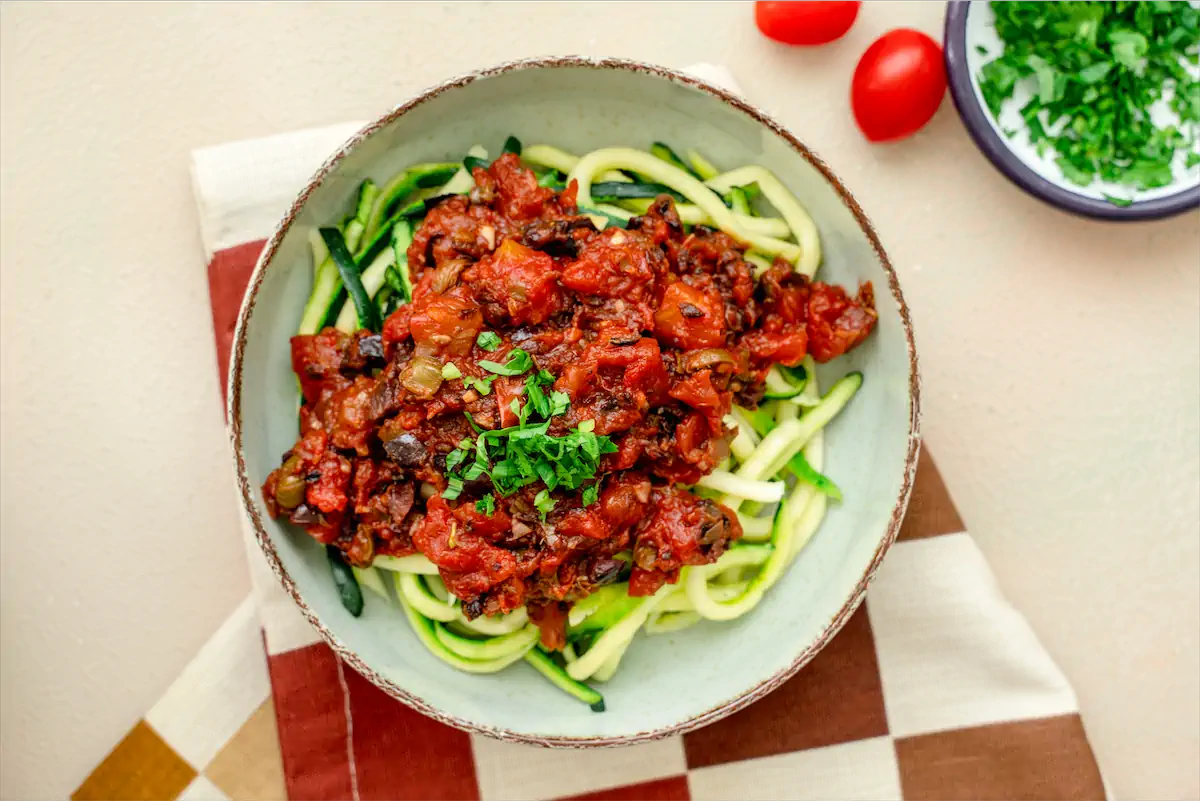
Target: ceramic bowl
(970, 26)
(666, 684)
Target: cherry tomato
(805, 23)
(898, 85)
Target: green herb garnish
(527, 453)
(450, 371)
(486, 505)
(481, 385)
(519, 362)
(543, 503)
(488, 340)
(1096, 69)
(590, 494)
(454, 488)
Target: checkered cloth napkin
(935, 689)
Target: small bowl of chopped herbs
(1093, 107)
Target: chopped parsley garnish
(543, 503)
(590, 494)
(527, 453)
(488, 340)
(454, 488)
(1096, 69)
(481, 385)
(450, 371)
(519, 362)
(486, 505)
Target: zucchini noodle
(614, 158)
(616, 639)
(412, 589)
(785, 203)
(694, 215)
(742, 487)
(416, 563)
(668, 622)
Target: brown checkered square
(836, 698)
(1047, 758)
(931, 512)
(674, 788)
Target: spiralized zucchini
(624, 158)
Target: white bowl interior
(981, 32)
(665, 680)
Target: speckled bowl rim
(975, 118)
(246, 488)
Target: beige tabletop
(1060, 356)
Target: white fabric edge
(217, 692)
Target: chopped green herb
(981, 50)
(519, 362)
(450, 371)
(559, 402)
(454, 488)
(1118, 201)
(481, 385)
(590, 494)
(486, 505)
(455, 458)
(488, 340)
(543, 503)
(525, 453)
(1096, 69)
(537, 398)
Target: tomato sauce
(652, 332)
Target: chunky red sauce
(652, 331)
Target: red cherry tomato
(898, 85)
(805, 23)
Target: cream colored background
(1061, 357)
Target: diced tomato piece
(784, 348)
(521, 281)
(625, 498)
(519, 195)
(446, 323)
(690, 318)
(329, 492)
(584, 523)
(396, 326)
(475, 522)
(837, 323)
(615, 264)
(697, 391)
(551, 619)
(469, 562)
(646, 582)
(318, 357)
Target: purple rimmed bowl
(667, 684)
(970, 25)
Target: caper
(291, 466)
(289, 492)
